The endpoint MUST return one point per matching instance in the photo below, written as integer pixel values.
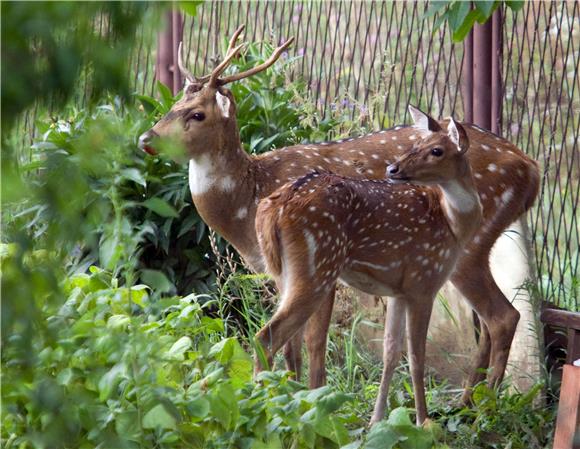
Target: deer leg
(392, 345)
(298, 304)
(418, 315)
(480, 364)
(293, 354)
(499, 317)
(316, 337)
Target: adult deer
(397, 240)
(226, 184)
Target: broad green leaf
(460, 33)
(160, 207)
(223, 350)
(134, 175)
(118, 321)
(190, 7)
(515, 5)
(110, 380)
(166, 95)
(486, 7)
(457, 14)
(179, 348)
(159, 417)
(125, 425)
(156, 280)
(150, 104)
(198, 408)
(381, 436)
(411, 436)
(435, 7)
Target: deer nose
(145, 141)
(393, 169)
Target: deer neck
(461, 206)
(222, 185)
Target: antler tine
(271, 60)
(234, 38)
(214, 80)
(186, 73)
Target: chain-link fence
(541, 114)
(376, 57)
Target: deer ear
(458, 136)
(423, 121)
(223, 103)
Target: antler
(271, 60)
(204, 79)
(214, 80)
(186, 73)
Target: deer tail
(268, 230)
(533, 184)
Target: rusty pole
(467, 77)
(177, 35)
(482, 91)
(481, 74)
(496, 67)
(168, 41)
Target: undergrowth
(103, 346)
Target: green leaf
(159, 417)
(160, 207)
(457, 14)
(139, 294)
(460, 33)
(515, 5)
(486, 7)
(435, 7)
(223, 350)
(381, 436)
(110, 380)
(150, 104)
(134, 175)
(166, 95)
(198, 408)
(410, 436)
(125, 425)
(179, 348)
(156, 280)
(118, 321)
(190, 8)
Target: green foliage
(109, 357)
(46, 45)
(462, 15)
(501, 419)
(398, 431)
(124, 370)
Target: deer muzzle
(145, 140)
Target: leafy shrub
(122, 370)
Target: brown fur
(496, 163)
(379, 237)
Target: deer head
(438, 156)
(205, 118)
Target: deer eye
(437, 152)
(199, 116)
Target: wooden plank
(561, 318)
(573, 346)
(568, 420)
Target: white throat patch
(201, 175)
(223, 103)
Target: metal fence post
(481, 78)
(168, 43)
